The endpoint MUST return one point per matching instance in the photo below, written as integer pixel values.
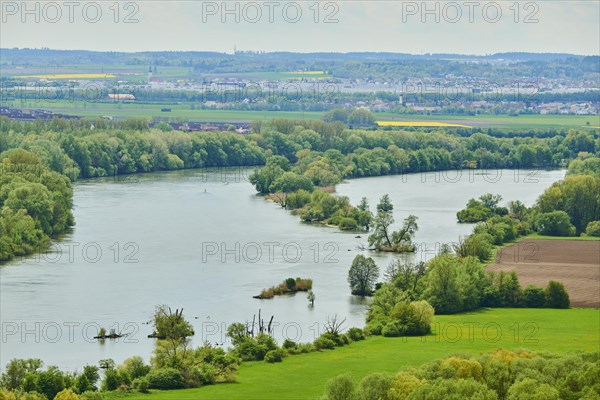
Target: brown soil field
(574, 263)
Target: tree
(381, 235)
(16, 371)
(311, 297)
(362, 275)
(578, 196)
(530, 389)
(443, 290)
(385, 204)
(50, 382)
(173, 332)
(556, 295)
(450, 389)
(364, 216)
(361, 117)
(407, 277)
(490, 200)
(402, 239)
(376, 386)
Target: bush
(340, 388)
(141, 384)
(556, 295)
(324, 343)
(356, 334)
(393, 329)
(555, 223)
(290, 283)
(348, 224)
(593, 229)
(289, 344)
(250, 350)
(477, 245)
(274, 356)
(376, 386)
(165, 379)
(204, 374)
(534, 297)
(89, 395)
(336, 338)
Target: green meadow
(304, 376)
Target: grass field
(538, 236)
(304, 376)
(503, 121)
(425, 124)
(71, 76)
(183, 110)
(136, 110)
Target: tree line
(35, 204)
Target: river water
(204, 241)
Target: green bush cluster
(450, 284)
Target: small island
(289, 286)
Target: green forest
(298, 158)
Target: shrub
(336, 338)
(477, 245)
(348, 224)
(533, 297)
(204, 374)
(340, 388)
(289, 344)
(66, 394)
(393, 329)
(356, 334)
(250, 350)
(141, 384)
(324, 343)
(274, 356)
(306, 348)
(165, 379)
(375, 326)
(593, 229)
(267, 341)
(376, 386)
(134, 367)
(556, 295)
(89, 395)
(555, 223)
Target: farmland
(386, 119)
(574, 263)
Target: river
(204, 241)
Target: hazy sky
(470, 27)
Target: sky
(462, 27)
